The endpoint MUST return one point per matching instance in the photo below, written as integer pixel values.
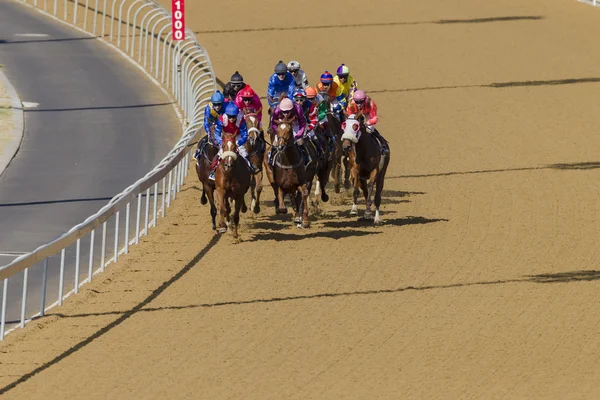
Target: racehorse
(255, 146)
(207, 154)
(288, 176)
(332, 128)
(366, 162)
(232, 181)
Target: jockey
(300, 98)
(314, 99)
(346, 85)
(280, 82)
(248, 102)
(233, 124)
(212, 112)
(299, 75)
(310, 114)
(363, 105)
(292, 112)
(233, 86)
(327, 85)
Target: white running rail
(141, 30)
(595, 3)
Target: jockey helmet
(311, 92)
(217, 98)
(343, 70)
(286, 105)
(232, 110)
(237, 78)
(247, 92)
(326, 77)
(299, 93)
(293, 66)
(359, 96)
(280, 68)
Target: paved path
(100, 125)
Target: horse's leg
(213, 209)
(253, 190)
(337, 175)
(379, 189)
(305, 221)
(258, 177)
(356, 192)
(346, 173)
(298, 208)
(370, 186)
(228, 216)
(282, 209)
(236, 215)
(223, 210)
(322, 180)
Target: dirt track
(481, 284)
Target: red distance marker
(178, 20)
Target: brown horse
(232, 181)
(207, 154)
(255, 146)
(333, 128)
(288, 176)
(367, 163)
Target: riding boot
(385, 149)
(196, 154)
(270, 160)
(213, 168)
(317, 145)
(250, 166)
(305, 154)
(331, 143)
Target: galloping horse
(255, 146)
(366, 162)
(232, 180)
(288, 176)
(207, 154)
(334, 130)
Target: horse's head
(229, 155)
(253, 131)
(284, 134)
(352, 128)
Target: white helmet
(293, 66)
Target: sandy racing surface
(481, 284)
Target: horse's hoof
(368, 215)
(223, 230)
(324, 197)
(306, 224)
(337, 189)
(354, 210)
(297, 220)
(214, 227)
(244, 209)
(283, 211)
(256, 209)
(347, 185)
(203, 200)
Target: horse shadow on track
(410, 220)
(339, 234)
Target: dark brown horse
(288, 176)
(207, 154)
(332, 127)
(255, 146)
(232, 181)
(368, 165)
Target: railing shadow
(588, 165)
(124, 107)
(376, 24)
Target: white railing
(595, 3)
(140, 30)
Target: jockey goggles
(246, 98)
(343, 76)
(282, 74)
(359, 101)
